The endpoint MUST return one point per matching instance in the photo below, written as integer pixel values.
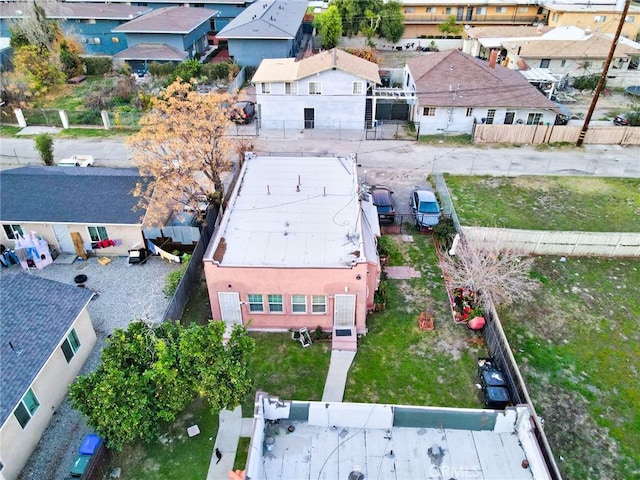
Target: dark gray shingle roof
(69, 195)
(273, 19)
(35, 315)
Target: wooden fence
(606, 244)
(536, 134)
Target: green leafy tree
(450, 27)
(188, 69)
(391, 21)
(329, 25)
(354, 16)
(149, 374)
(371, 26)
(633, 115)
(44, 146)
(37, 68)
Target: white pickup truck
(77, 161)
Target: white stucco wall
(50, 387)
(337, 107)
(455, 120)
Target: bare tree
(183, 148)
(491, 271)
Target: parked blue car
(425, 207)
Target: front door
(344, 312)
(309, 117)
(230, 308)
(61, 234)
(469, 14)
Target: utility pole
(603, 76)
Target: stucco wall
(456, 121)
(287, 282)
(336, 107)
(130, 236)
(50, 387)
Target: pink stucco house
(296, 247)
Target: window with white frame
(629, 19)
(523, 9)
(555, 17)
(469, 112)
(534, 118)
(563, 63)
(318, 304)
(13, 231)
(98, 234)
(431, 9)
(94, 40)
(71, 345)
(299, 303)
(315, 88)
(501, 9)
(275, 303)
(290, 88)
(491, 114)
(448, 11)
(265, 88)
(544, 63)
(409, 10)
(357, 88)
(27, 408)
(481, 10)
(600, 18)
(255, 303)
(429, 112)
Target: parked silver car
(425, 207)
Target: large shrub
(98, 65)
(587, 82)
(44, 146)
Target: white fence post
(105, 119)
(64, 118)
(22, 123)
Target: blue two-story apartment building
(266, 29)
(169, 34)
(90, 23)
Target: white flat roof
(293, 212)
(339, 439)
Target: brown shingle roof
(596, 46)
(286, 69)
(455, 79)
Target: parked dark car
(620, 120)
(383, 200)
(243, 112)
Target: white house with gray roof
(47, 336)
(332, 89)
(266, 29)
(58, 203)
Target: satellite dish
(19, 12)
(467, 27)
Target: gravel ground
(126, 292)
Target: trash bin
(90, 444)
(80, 465)
(496, 398)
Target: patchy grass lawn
(578, 346)
(548, 203)
(69, 97)
(399, 363)
(174, 455)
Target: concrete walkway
(337, 376)
(232, 426)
